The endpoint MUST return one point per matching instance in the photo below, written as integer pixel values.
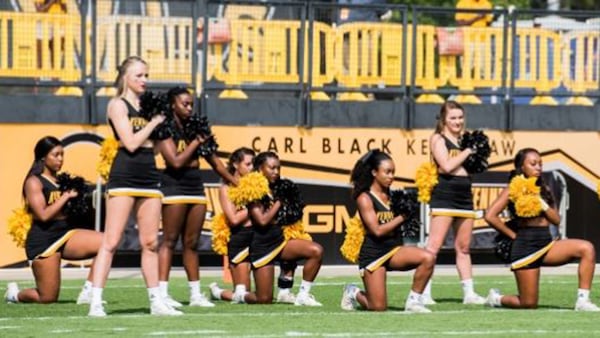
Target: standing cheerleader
(235, 235)
(51, 237)
(532, 206)
(184, 202)
(378, 246)
(451, 199)
(133, 185)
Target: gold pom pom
(525, 194)
(355, 235)
(296, 231)
(108, 151)
(425, 179)
(19, 224)
(220, 234)
(598, 189)
(251, 187)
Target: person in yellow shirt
(470, 18)
(49, 7)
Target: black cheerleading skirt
(182, 186)
(238, 248)
(267, 243)
(452, 196)
(530, 247)
(134, 174)
(376, 252)
(47, 238)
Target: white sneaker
(306, 299)
(415, 306)
(172, 302)
(586, 305)
(238, 298)
(474, 299)
(286, 297)
(348, 301)
(427, 300)
(96, 310)
(493, 298)
(200, 300)
(215, 291)
(12, 293)
(161, 308)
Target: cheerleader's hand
(545, 205)
(158, 119)
(71, 193)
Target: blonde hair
(122, 70)
(441, 118)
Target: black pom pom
(292, 204)
(477, 162)
(405, 203)
(152, 104)
(76, 206)
(197, 125)
(504, 243)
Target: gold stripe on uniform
(182, 199)
(51, 250)
(133, 192)
(376, 264)
(532, 257)
(259, 263)
(453, 213)
(241, 256)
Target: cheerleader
(184, 202)
(133, 185)
(238, 245)
(240, 228)
(451, 199)
(51, 237)
(533, 245)
(381, 248)
(269, 244)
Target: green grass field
(128, 314)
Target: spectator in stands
(451, 199)
(184, 201)
(381, 249)
(50, 7)
(532, 245)
(51, 236)
(133, 185)
(473, 19)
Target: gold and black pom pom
(525, 194)
(252, 187)
(504, 243)
(108, 151)
(353, 240)
(426, 179)
(296, 231)
(19, 224)
(220, 234)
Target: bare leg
(47, 280)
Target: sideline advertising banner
(320, 161)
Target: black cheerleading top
(137, 122)
(180, 143)
(453, 149)
(384, 215)
(49, 189)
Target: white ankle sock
(467, 286)
(97, 295)
(164, 288)
(583, 294)
(305, 287)
(154, 293)
(194, 287)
